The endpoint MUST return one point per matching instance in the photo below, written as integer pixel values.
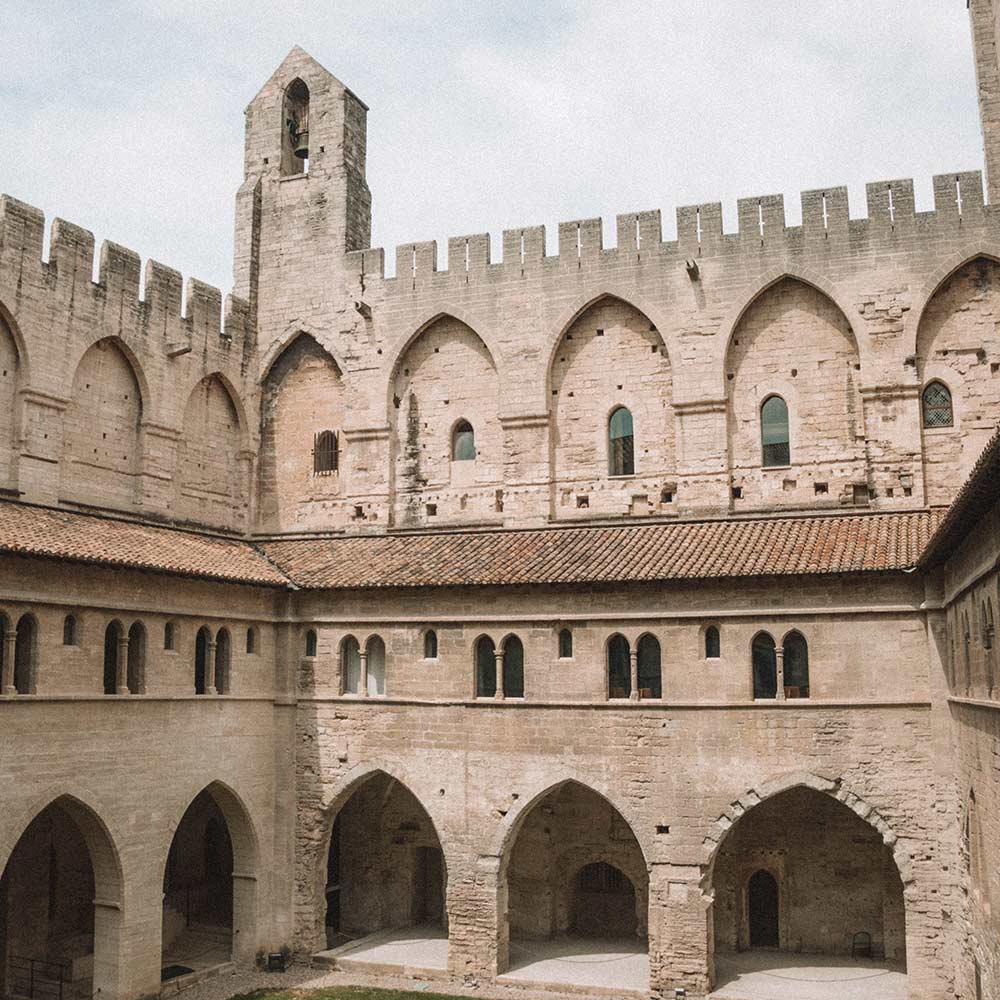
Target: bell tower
(304, 201)
(986, 45)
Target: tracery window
(936, 406)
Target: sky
(126, 117)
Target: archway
(386, 879)
(574, 893)
(801, 874)
(9, 383)
(209, 886)
(60, 896)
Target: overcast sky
(127, 117)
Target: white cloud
(127, 117)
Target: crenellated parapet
(174, 347)
(891, 214)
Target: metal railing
(34, 978)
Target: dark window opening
(463, 442)
(621, 443)
(796, 666)
(619, 667)
(565, 644)
(112, 634)
(25, 652)
(513, 668)
(223, 661)
(201, 660)
(765, 667)
(325, 453)
(713, 644)
(251, 641)
(486, 668)
(648, 667)
(430, 644)
(135, 672)
(69, 630)
(774, 432)
(311, 642)
(168, 635)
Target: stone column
(210, 667)
(633, 666)
(779, 672)
(498, 693)
(363, 656)
(9, 654)
(121, 664)
(680, 931)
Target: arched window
(168, 635)
(774, 433)
(223, 661)
(350, 665)
(310, 642)
(765, 667)
(463, 442)
(251, 640)
(376, 666)
(513, 668)
(71, 631)
(988, 634)
(565, 644)
(325, 453)
(430, 645)
(135, 673)
(796, 666)
(936, 406)
(621, 443)
(201, 642)
(112, 644)
(295, 137)
(648, 665)
(713, 644)
(25, 655)
(486, 668)
(619, 667)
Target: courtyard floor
(771, 975)
(420, 948)
(569, 961)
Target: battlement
(181, 314)
(891, 212)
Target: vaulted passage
(577, 890)
(385, 878)
(802, 873)
(54, 939)
(209, 902)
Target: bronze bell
(302, 146)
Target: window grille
(325, 453)
(937, 410)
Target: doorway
(762, 910)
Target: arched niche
(210, 480)
(609, 360)
(446, 375)
(958, 344)
(302, 397)
(101, 454)
(795, 343)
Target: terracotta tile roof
(41, 531)
(777, 546)
(975, 498)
